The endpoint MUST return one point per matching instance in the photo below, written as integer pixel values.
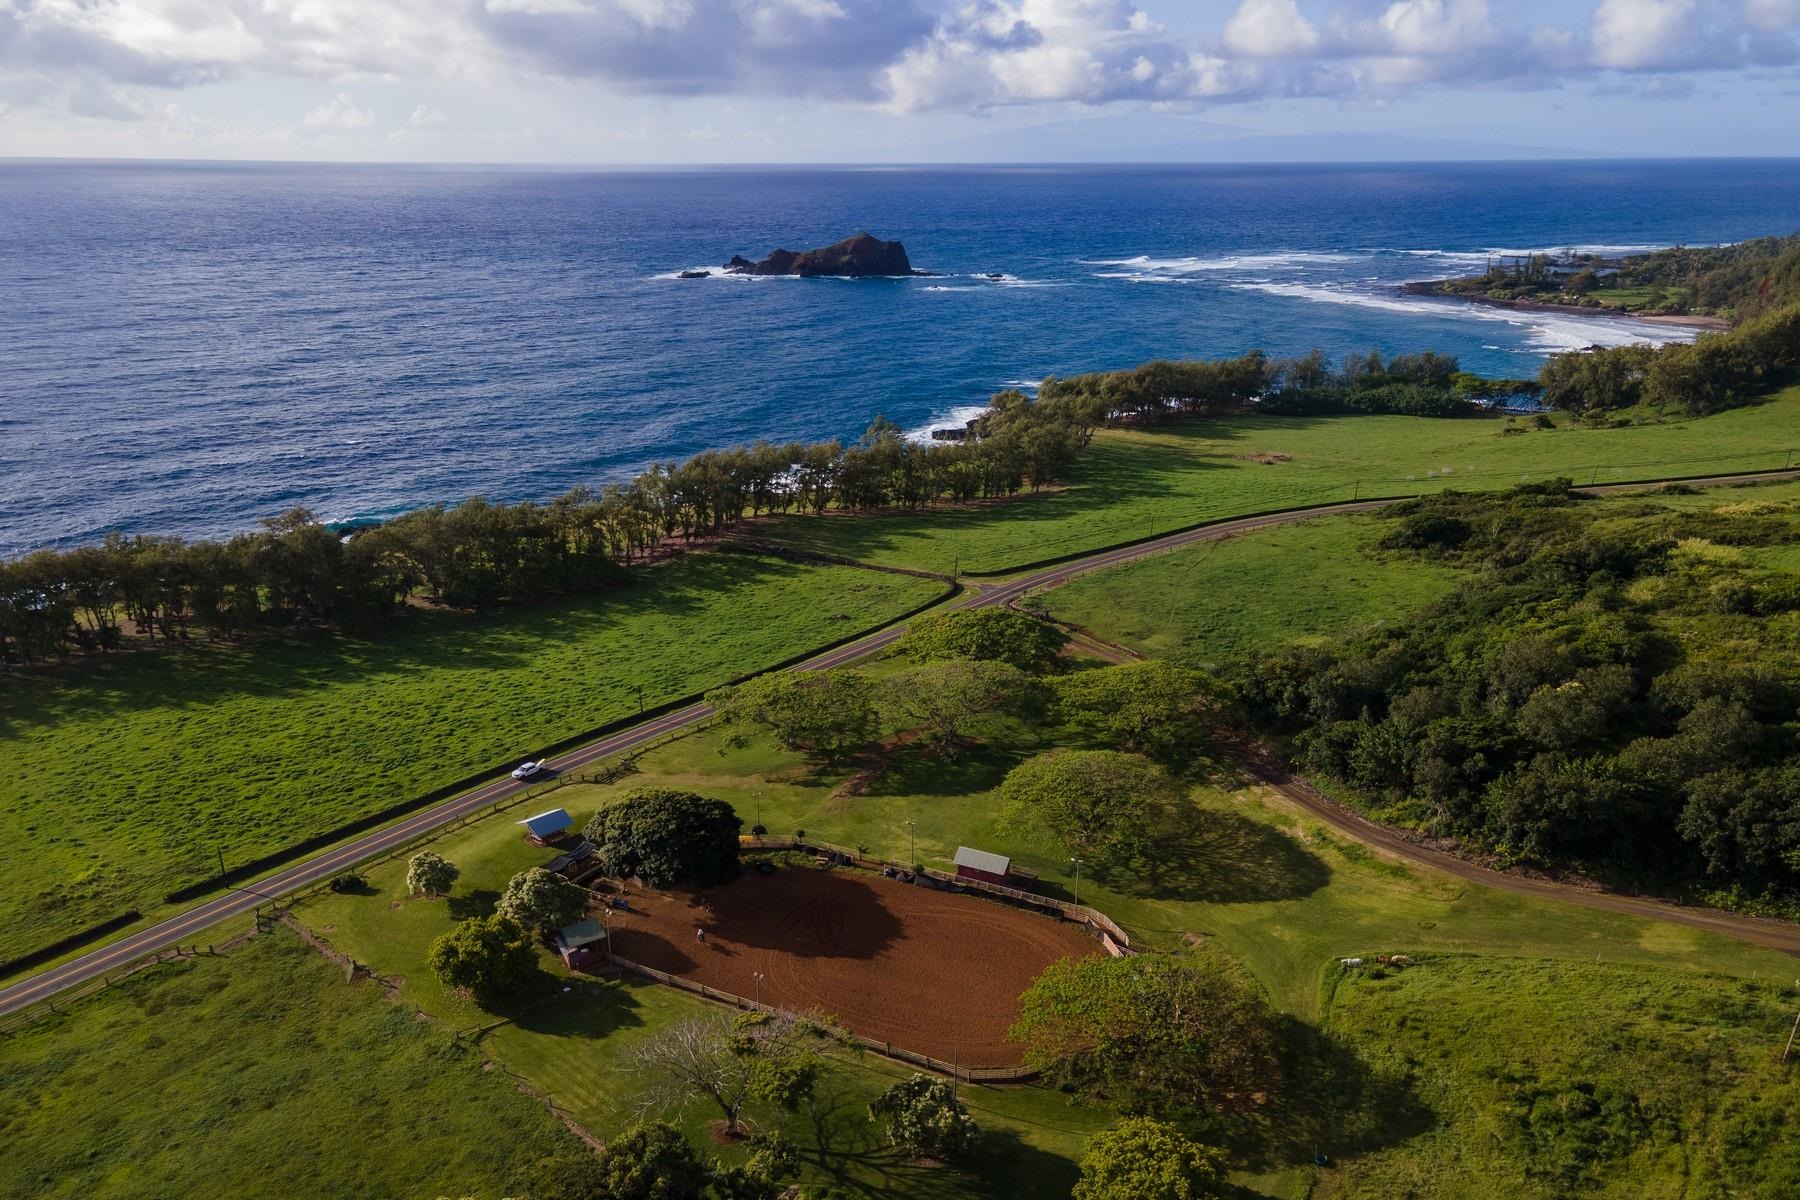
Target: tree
(666, 837)
(923, 1117)
(763, 1175)
(733, 1060)
(1145, 1159)
(1151, 707)
(942, 700)
(1098, 801)
(1149, 1027)
(985, 635)
(828, 713)
(487, 957)
(430, 874)
(540, 901)
(650, 1162)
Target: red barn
(979, 864)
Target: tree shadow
(1220, 857)
(1333, 1102)
(478, 903)
(912, 770)
(590, 1009)
(796, 911)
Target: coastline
(1431, 288)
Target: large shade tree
(665, 837)
(1141, 1158)
(828, 713)
(488, 957)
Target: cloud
(102, 57)
(339, 113)
(1269, 29)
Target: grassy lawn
(1291, 583)
(131, 777)
(1549, 1079)
(261, 1073)
(1133, 483)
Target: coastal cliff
(854, 257)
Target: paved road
(189, 925)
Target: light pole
(1077, 862)
(759, 809)
(758, 976)
(912, 834)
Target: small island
(1709, 287)
(860, 256)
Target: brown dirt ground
(929, 971)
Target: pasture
(261, 1073)
(127, 778)
(1133, 483)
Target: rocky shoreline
(860, 256)
(1434, 289)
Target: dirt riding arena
(929, 971)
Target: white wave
(1276, 260)
(956, 418)
(1024, 385)
(1547, 332)
(718, 273)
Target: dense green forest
(1736, 282)
(1614, 689)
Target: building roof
(981, 860)
(581, 933)
(546, 823)
(563, 861)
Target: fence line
(1098, 922)
(958, 1071)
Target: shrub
(923, 1117)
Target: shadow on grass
(914, 771)
(1219, 857)
(591, 1009)
(1334, 1102)
(478, 903)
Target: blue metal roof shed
(549, 824)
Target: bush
(429, 874)
(1144, 1159)
(923, 1117)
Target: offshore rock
(854, 257)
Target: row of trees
(477, 555)
(1615, 694)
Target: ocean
(188, 348)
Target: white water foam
(1547, 332)
(956, 418)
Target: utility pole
(1077, 862)
(640, 696)
(912, 833)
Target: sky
(725, 81)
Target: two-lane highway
(189, 925)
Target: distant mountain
(1160, 137)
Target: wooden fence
(1116, 940)
(958, 1071)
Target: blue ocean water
(188, 348)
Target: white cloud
(1269, 29)
(1436, 27)
(1632, 35)
(1772, 16)
(339, 113)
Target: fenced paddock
(918, 973)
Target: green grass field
(131, 777)
(1551, 1079)
(1133, 483)
(260, 1073)
(1301, 583)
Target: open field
(1134, 483)
(928, 971)
(260, 1073)
(1301, 583)
(1550, 1079)
(131, 777)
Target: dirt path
(186, 925)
